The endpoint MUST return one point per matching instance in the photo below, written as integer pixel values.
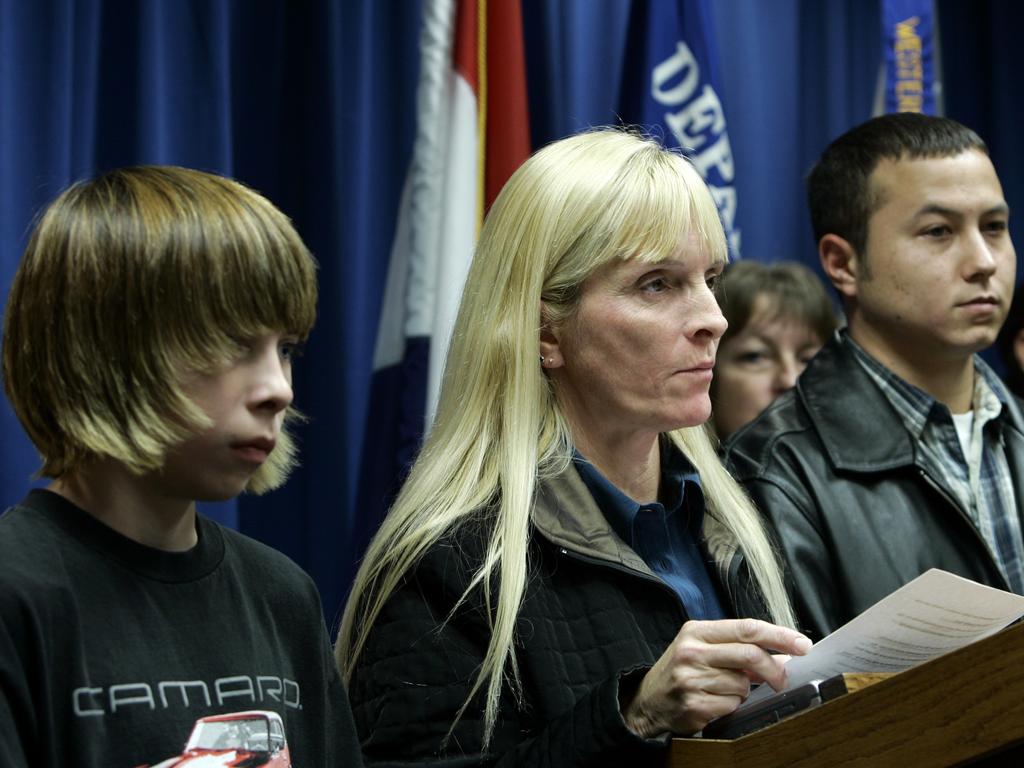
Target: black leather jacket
(855, 510)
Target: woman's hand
(706, 672)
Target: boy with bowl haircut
(147, 350)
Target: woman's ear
(550, 348)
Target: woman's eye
(713, 281)
(655, 285)
(752, 357)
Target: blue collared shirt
(665, 535)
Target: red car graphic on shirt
(253, 739)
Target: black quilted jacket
(594, 619)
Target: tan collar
(567, 515)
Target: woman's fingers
(744, 659)
(771, 637)
(782, 658)
(741, 644)
(725, 682)
(707, 672)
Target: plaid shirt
(982, 484)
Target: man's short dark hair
(840, 198)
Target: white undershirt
(964, 423)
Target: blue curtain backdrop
(312, 103)
(984, 88)
(309, 102)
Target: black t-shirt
(114, 654)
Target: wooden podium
(956, 709)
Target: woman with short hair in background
(779, 316)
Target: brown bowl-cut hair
(130, 282)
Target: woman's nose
(709, 319)
(787, 371)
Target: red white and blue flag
(472, 132)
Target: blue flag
(911, 62)
(670, 88)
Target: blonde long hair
(573, 206)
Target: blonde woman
(569, 573)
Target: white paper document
(934, 614)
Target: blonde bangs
(615, 195)
(671, 203)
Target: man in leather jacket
(899, 450)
